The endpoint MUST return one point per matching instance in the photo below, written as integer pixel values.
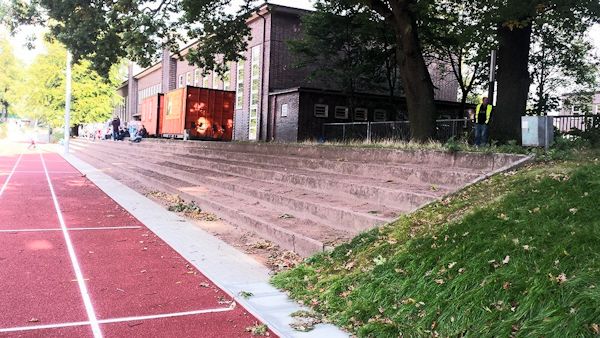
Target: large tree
(558, 61)
(104, 31)
(359, 55)
(10, 74)
(513, 20)
(461, 41)
(39, 94)
(408, 18)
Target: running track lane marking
(93, 321)
(50, 171)
(118, 320)
(73, 229)
(10, 175)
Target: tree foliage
(347, 48)
(10, 74)
(462, 41)
(105, 32)
(461, 31)
(514, 22)
(39, 95)
(411, 21)
(558, 60)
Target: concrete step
(395, 195)
(444, 176)
(347, 214)
(293, 233)
(441, 159)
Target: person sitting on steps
(123, 133)
(140, 135)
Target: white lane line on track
(10, 175)
(70, 229)
(78, 274)
(118, 320)
(49, 171)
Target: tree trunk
(416, 81)
(463, 102)
(513, 83)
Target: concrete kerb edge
(511, 166)
(262, 289)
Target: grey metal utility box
(537, 131)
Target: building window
(197, 77)
(254, 93)
(205, 81)
(341, 112)
(379, 115)
(227, 78)
(321, 110)
(239, 88)
(215, 81)
(360, 114)
(188, 78)
(149, 91)
(180, 81)
(284, 110)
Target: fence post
(368, 132)
(344, 132)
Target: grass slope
(516, 255)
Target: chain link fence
(393, 130)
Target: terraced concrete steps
(328, 194)
(440, 159)
(394, 194)
(345, 214)
(445, 176)
(291, 232)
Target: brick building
(265, 79)
(580, 103)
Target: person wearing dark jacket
(122, 134)
(116, 123)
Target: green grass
(561, 149)
(515, 255)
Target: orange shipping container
(151, 106)
(206, 113)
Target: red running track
(90, 269)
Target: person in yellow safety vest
(483, 113)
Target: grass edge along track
(514, 255)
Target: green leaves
(39, 92)
(347, 47)
(104, 32)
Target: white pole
(68, 104)
(492, 83)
